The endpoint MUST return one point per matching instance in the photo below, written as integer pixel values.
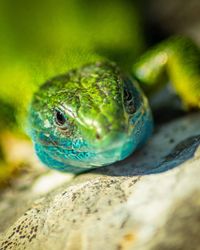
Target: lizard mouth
(75, 161)
(111, 141)
(84, 148)
(63, 156)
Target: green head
(87, 118)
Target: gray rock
(149, 201)
(175, 17)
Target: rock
(174, 17)
(149, 201)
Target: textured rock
(149, 201)
(175, 17)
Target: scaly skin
(88, 118)
(94, 115)
(179, 59)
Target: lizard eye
(60, 119)
(129, 101)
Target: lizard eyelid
(60, 118)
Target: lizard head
(89, 117)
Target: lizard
(78, 66)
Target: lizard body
(94, 114)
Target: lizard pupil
(60, 118)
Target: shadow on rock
(182, 152)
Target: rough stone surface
(175, 17)
(149, 201)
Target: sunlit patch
(47, 124)
(49, 182)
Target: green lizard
(90, 113)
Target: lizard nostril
(98, 136)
